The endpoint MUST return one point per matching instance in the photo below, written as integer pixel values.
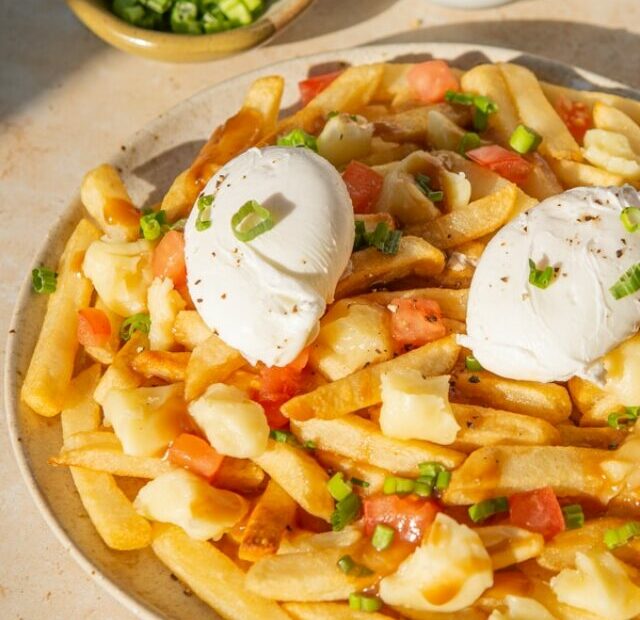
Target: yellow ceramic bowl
(97, 16)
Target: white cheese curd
(521, 608)
(265, 297)
(520, 331)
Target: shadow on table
(609, 52)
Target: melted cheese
(164, 304)
(522, 608)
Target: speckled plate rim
(53, 243)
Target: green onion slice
(442, 480)
(364, 602)
(153, 224)
(338, 487)
(251, 211)
(44, 280)
(472, 364)
(401, 486)
(423, 182)
(541, 278)
(382, 537)
(382, 238)
(298, 138)
(360, 483)
(346, 564)
(628, 283)
(630, 218)
(205, 201)
(524, 139)
(453, 96)
(346, 511)
(430, 469)
(140, 322)
(480, 120)
(573, 516)
(469, 141)
(619, 536)
(623, 419)
(487, 508)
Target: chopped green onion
(480, 102)
(382, 537)
(153, 224)
(628, 283)
(346, 511)
(299, 138)
(442, 480)
(214, 20)
(424, 488)
(619, 536)
(184, 17)
(480, 119)
(487, 508)
(253, 5)
(338, 487)
(140, 322)
(453, 96)
(251, 210)
(430, 469)
(623, 419)
(360, 483)
(630, 218)
(309, 445)
(129, 10)
(469, 141)
(44, 280)
(401, 486)
(484, 104)
(159, 6)
(346, 564)
(573, 516)
(423, 182)
(283, 436)
(524, 139)
(205, 201)
(540, 277)
(382, 238)
(472, 364)
(179, 224)
(236, 11)
(362, 602)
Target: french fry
(610, 118)
(239, 475)
(454, 327)
(106, 353)
(536, 112)
(301, 541)
(477, 219)
(393, 83)
(603, 438)
(304, 577)
(504, 470)
(483, 426)
(578, 174)
(109, 509)
(190, 330)
(594, 404)
(357, 438)
(452, 302)
(370, 266)
(329, 611)
(373, 476)
(508, 545)
(166, 365)
(212, 361)
(211, 575)
(548, 401)
(464, 614)
(49, 374)
(271, 515)
(362, 388)
(300, 476)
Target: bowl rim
(70, 213)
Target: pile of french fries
(280, 561)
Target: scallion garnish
(487, 508)
(623, 419)
(524, 139)
(453, 96)
(469, 141)
(360, 483)
(442, 480)
(430, 469)
(424, 182)
(288, 437)
(541, 278)
(573, 516)
(472, 364)
(338, 487)
(140, 322)
(619, 536)
(382, 238)
(364, 602)
(203, 221)
(483, 107)
(630, 218)
(299, 138)
(382, 537)
(393, 485)
(44, 280)
(252, 214)
(350, 567)
(628, 283)
(346, 511)
(153, 224)
(179, 224)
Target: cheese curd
(265, 297)
(519, 331)
(345, 137)
(164, 304)
(447, 573)
(611, 151)
(599, 584)
(417, 407)
(201, 510)
(521, 608)
(622, 366)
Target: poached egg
(520, 331)
(265, 297)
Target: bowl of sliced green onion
(186, 30)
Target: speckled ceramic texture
(149, 162)
(171, 47)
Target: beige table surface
(67, 101)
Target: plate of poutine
(366, 352)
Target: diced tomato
(196, 455)
(538, 511)
(416, 322)
(94, 327)
(168, 258)
(430, 80)
(503, 162)
(409, 516)
(576, 116)
(313, 86)
(364, 185)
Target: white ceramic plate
(151, 160)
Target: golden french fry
(454, 327)
(508, 545)
(300, 476)
(370, 266)
(371, 220)
(594, 404)
(329, 611)
(393, 83)
(106, 353)
(239, 475)
(49, 374)
(166, 365)
(603, 438)
(536, 112)
(271, 515)
(357, 438)
(373, 476)
(548, 401)
(476, 220)
(578, 174)
(211, 362)
(610, 118)
(211, 575)
(483, 426)
(362, 388)
(465, 614)
(311, 576)
(81, 413)
(452, 302)
(503, 470)
(190, 330)
(302, 541)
